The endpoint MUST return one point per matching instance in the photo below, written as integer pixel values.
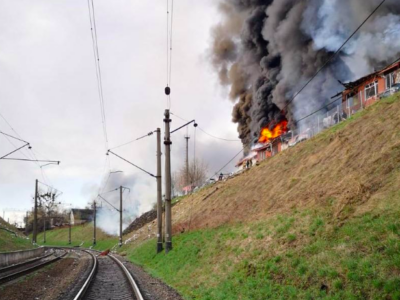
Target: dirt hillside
(349, 168)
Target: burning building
(264, 51)
(368, 89)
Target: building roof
(248, 157)
(358, 82)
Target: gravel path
(150, 287)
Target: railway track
(13, 272)
(108, 279)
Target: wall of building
(362, 101)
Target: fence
(335, 113)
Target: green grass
(10, 242)
(81, 235)
(315, 259)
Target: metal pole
(94, 223)
(120, 217)
(159, 194)
(26, 223)
(44, 226)
(187, 161)
(70, 227)
(35, 214)
(168, 221)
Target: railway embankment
(318, 221)
(11, 239)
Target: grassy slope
(80, 235)
(8, 242)
(319, 221)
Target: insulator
(167, 90)
(195, 125)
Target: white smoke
(135, 201)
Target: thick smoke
(107, 216)
(265, 51)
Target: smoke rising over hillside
(265, 51)
(134, 202)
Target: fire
(267, 135)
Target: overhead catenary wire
(136, 166)
(333, 55)
(93, 30)
(22, 140)
(205, 132)
(232, 159)
(336, 100)
(170, 21)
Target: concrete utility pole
(120, 216)
(70, 227)
(168, 220)
(94, 222)
(187, 160)
(159, 195)
(44, 226)
(35, 214)
(26, 223)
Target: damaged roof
(358, 82)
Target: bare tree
(197, 175)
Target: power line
(93, 30)
(334, 55)
(137, 139)
(141, 169)
(21, 139)
(170, 21)
(216, 173)
(330, 103)
(218, 138)
(205, 132)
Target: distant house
(188, 189)
(81, 216)
(252, 157)
(368, 89)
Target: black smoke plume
(265, 51)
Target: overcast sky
(48, 93)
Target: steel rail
(132, 282)
(29, 270)
(125, 271)
(89, 279)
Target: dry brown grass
(348, 168)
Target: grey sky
(48, 91)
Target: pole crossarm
(33, 160)
(13, 137)
(188, 123)
(143, 170)
(109, 203)
(138, 139)
(50, 163)
(4, 157)
(126, 188)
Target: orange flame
(267, 135)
